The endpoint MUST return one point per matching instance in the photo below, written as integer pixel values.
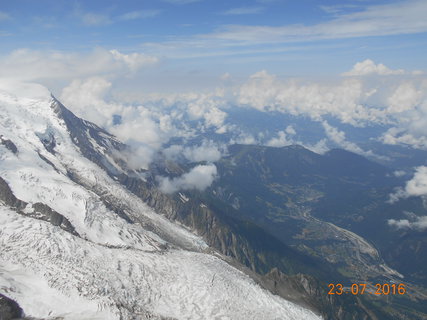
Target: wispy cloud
(379, 20)
(102, 19)
(4, 16)
(5, 34)
(142, 14)
(392, 19)
(243, 11)
(32, 65)
(95, 19)
(338, 8)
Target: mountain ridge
(116, 268)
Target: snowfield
(152, 269)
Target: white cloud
(140, 125)
(134, 61)
(149, 126)
(407, 106)
(144, 130)
(243, 11)
(368, 67)
(396, 136)
(25, 90)
(30, 65)
(173, 152)
(281, 140)
(400, 101)
(259, 91)
(207, 107)
(344, 100)
(319, 147)
(207, 151)
(405, 98)
(244, 138)
(290, 130)
(339, 138)
(419, 223)
(86, 99)
(416, 186)
(399, 173)
(200, 177)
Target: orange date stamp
(361, 288)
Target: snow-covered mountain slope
(134, 265)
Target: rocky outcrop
(313, 294)
(8, 144)
(46, 213)
(8, 198)
(9, 309)
(85, 135)
(38, 210)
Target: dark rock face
(9, 309)
(40, 211)
(7, 196)
(82, 132)
(8, 144)
(46, 213)
(301, 288)
(48, 140)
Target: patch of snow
(183, 198)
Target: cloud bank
(370, 94)
(416, 223)
(397, 100)
(415, 187)
(33, 65)
(199, 178)
(368, 67)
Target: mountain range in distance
(258, 233)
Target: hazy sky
(192, 43)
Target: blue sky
(176, 68)
(206, 38)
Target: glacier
(109, 269)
